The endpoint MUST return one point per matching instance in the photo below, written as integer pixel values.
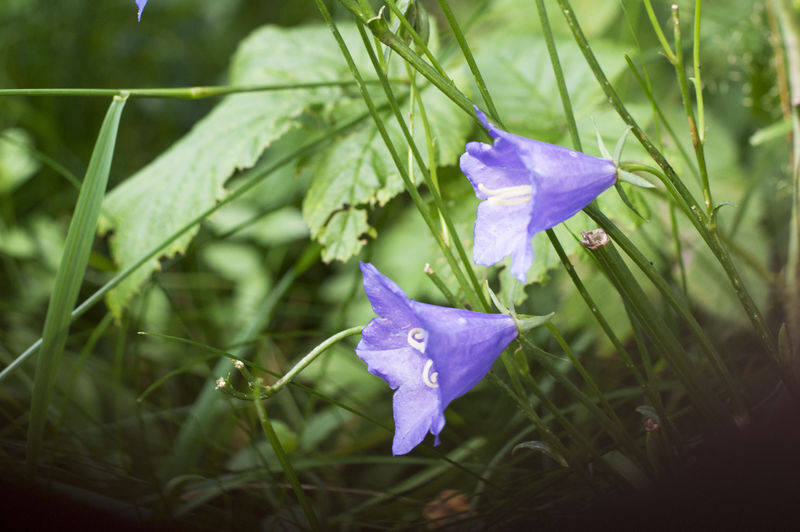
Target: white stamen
(431, 380)
(507, 195)
(418, 339)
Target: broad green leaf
(520, 78)
(189, 177)
(357, 171)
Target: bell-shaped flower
(140, 4)
(526, 186)
(429, 354)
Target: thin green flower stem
(558, 72)
(186, 93)
(471, 287)
(663, 338)
(429, 144)
(380, 29)
(309, 358)
(649, 382)
(659, 32)
(678, 246)
(697, 138)
(676, 188)
(280, 453)
(625, 439)
(473, 66)
(623, 353)
(546, 434)
(697, 81)
(417, 39)
(679, 306)
(434, 277)
(576, 142)
(644, 84)
(578, 437)
(609, 425)
(199, 423)
(303, 151)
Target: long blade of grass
(69, 277)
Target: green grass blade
(69, 277)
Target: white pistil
(507, 195)
(431, 380)
(418, 339)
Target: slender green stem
(644, 84)
(576, 142)
(697, 142)
(659, 33)
(698, 83)
(473, 66)
(187, 93)
(309, 358)
(421, 44)
(280, 453)
(434, 277)
(662, 337)
(676, 239)
(470, 284)
(380, 29)
(679, 306)
(675, 186)
(559, 75)
(621, 432)
(431, 147)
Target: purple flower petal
(429, 354)
(140, 4)
(526, 186)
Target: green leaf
(69, 277)
(357, 171)
(188, 178)
(17, 164)
(519, 76)
(353, 173)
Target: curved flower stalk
(429, 354)
(526, 186)
(140, 4)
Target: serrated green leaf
(189, 177)
(342, 234)
(358, 171)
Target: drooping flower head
(429, 354)
(140, 4)
(527, 186)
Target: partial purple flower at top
(527, 186)
(140, 4)
(429, 354)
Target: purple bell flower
(140, 4)
(527, 186)
(429, 354)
